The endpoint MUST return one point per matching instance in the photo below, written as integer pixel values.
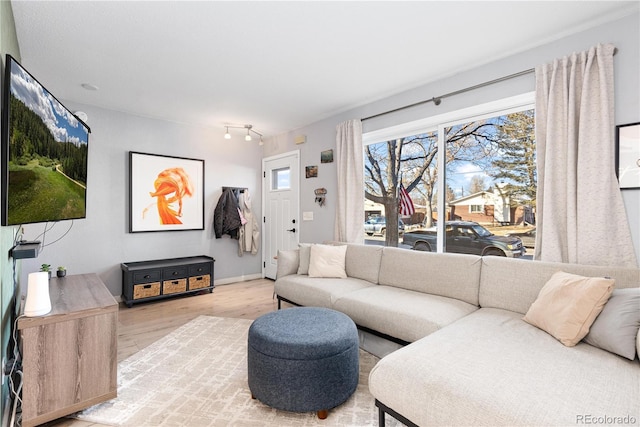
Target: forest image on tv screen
(47, 155)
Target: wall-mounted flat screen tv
(44, 153)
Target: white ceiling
(276, 65)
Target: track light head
(249, 129)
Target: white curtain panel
(349, 226)
(581, 215)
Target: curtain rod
(437, 99)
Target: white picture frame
(628, 155)
(166, 193)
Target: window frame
(438, 123)
(275, 179)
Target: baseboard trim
(243, 278)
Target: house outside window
(476, 165)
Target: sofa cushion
(616, 328)
(401, 313)
(492, 368)
(514, 284)
(448, 275)
(327, 261)
(568, 304)
(363, 262)
(316, 292)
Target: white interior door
(281, 194)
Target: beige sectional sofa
(463, 355)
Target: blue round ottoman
(303, 359)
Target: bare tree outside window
(412, 155)
(478, 184)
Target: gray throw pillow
(305, 254)
(616, 328)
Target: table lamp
(38, 302)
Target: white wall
(623, 33)
(101, 242)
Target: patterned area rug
(197, 376)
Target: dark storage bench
(157, 279)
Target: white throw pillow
(327, 261)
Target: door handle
(293, 230)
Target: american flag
(405, 205)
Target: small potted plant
(47, 268)
(62, 271)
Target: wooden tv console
(70, 355)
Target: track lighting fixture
(247, 137)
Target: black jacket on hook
(226, 218)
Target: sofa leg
(279, 303)
(322, 414)
(384, 409)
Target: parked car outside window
(378, 225)
(528, 237)
(466, 237)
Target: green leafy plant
(45, 267)
(62, 271)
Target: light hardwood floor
(146, 323)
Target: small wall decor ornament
(326, 156)
(320, 195)
(311, 171)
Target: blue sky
(61, 123)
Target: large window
(471, 175)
